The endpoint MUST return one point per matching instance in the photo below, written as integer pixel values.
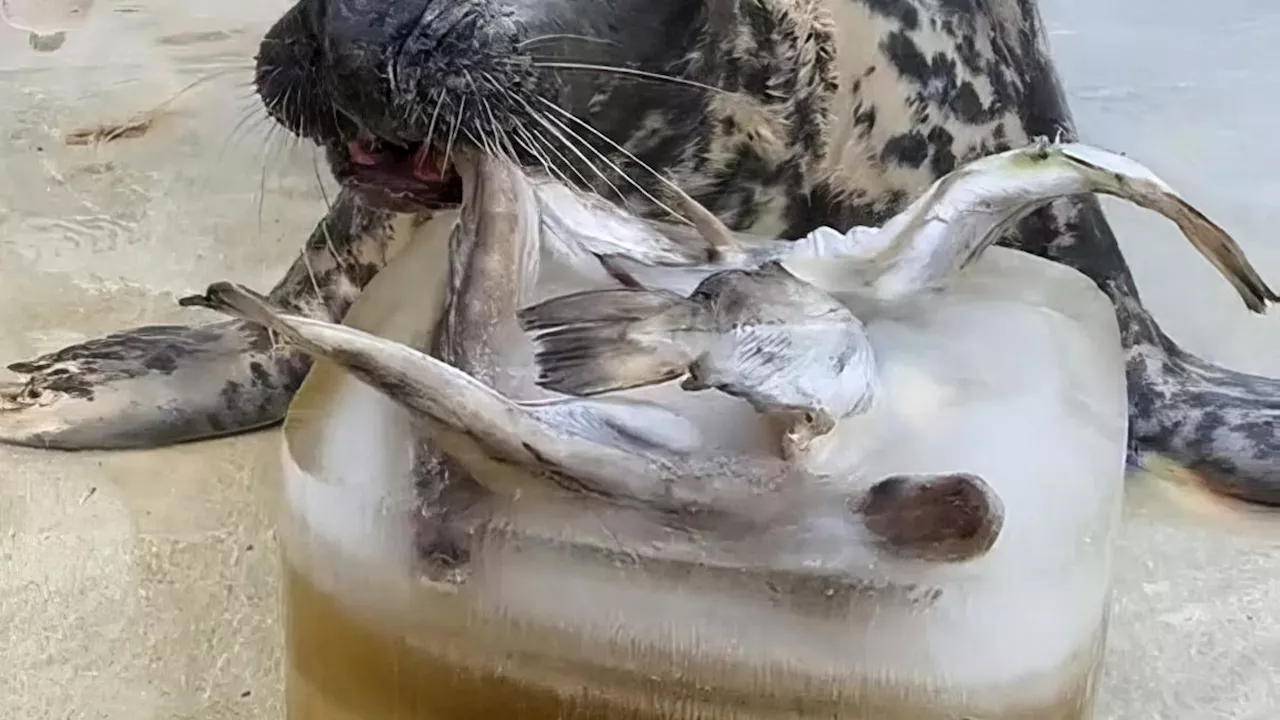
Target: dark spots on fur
(942, 159)
(909, 149)
(966, 105)
(162, 362)
(939, 84)
(261, 376)
(231, 394)
(905, 55)
(806, 134)
(215, 422)
(864, 118)
(904, 11)
(75, 386)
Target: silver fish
(640, 455)
(789, 349)
(966, 211)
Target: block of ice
(1014, 374)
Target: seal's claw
(150, 386)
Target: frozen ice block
(1014, 374)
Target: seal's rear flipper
(150, 386)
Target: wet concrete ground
(141, 586)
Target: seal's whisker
(631, 72)
(627, 153)
(262, 181)
(547, 123)
(561, 36)
(435, 115)
(506, 148)
(537, 136)
(531, 144)
(193, 85)
(251, 113)
(274, 142)
(453, 132)
(625, 176)
(324, 194)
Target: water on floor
(142, 586)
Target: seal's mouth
(398, 177)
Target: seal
(780, 116)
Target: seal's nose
(361, 40)
(388, 59)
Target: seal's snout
(389, 89)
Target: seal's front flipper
(150, 386)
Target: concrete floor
(142, 586)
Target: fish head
(390, 89)
(804, 427)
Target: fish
(632, 453)
(923, 248)
(790, 349)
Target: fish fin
(631, 274)
(590, 342)
(615, 265)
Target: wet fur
(839, 112)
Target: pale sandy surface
(141, 586)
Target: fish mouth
(399, 177)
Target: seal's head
(719, 94)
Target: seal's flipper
(1222, 425)
(159, 385)
(150, 386)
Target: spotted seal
(778, 115)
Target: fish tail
(602, 341)
(1222, 251)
